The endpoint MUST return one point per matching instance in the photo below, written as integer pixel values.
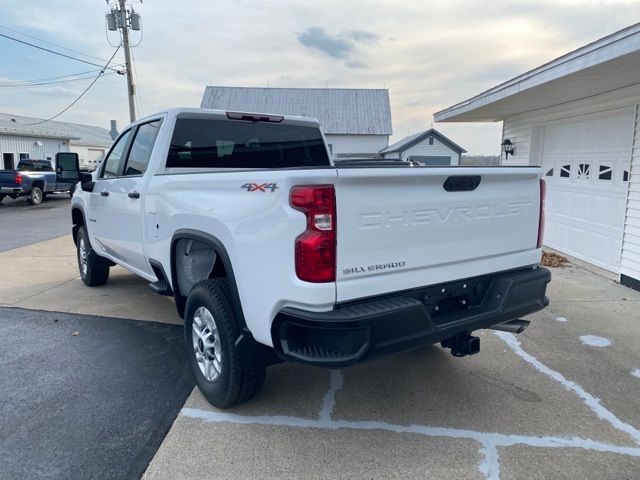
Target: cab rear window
(35, 166)
(211, 143)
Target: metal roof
(411, 140)
(610, 63)
(76, 133)
(352, 111)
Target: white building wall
(423, 148)
(630, 264)
(356, 144)
(85, 155)
(523, 130)
(18, 144)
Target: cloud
(469, 47)
(319, 39)
(355, 64)
(363, 36)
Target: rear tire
(1, 198)
(36, 196)
(94, 270)
(210, 333)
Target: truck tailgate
(400, 228)
(8, 179)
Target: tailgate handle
(462, 183)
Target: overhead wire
(51, 43)
(54, 52)
(46, 79)
(81, 95)
(54, 82)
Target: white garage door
(94, 155)
(586, 162)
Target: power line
(53, 82)
(46, 79)
(51, 43)
(54, 52)
(82, 94)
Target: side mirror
(68, 166)
(86, 181)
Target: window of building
(565, 171)
(23, 156)
(549, 173)
(584, 170)
(605, 172)
(430, 140)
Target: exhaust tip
(512, 326)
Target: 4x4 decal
(260, 187)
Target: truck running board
(161, 287)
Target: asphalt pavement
(86, 397)
(22, 224)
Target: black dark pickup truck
(35, 179)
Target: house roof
(352, 111)
(608, 64)
(76, 133)
(411, 140)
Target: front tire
(94, 270)
(210, 333)
(36, 196)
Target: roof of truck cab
(177, 111)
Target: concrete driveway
(561, 400)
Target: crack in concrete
(592, 402)
(489, 441)
(336, 382)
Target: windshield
(35, 166)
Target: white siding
(356, 144)
(630, 264)
(17, 144)
(521, 128)
(423, 148)
(524, 131)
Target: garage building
(429, 147)
(23, 137)
(578, 117)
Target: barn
(356, 121)
(578, 117)
(428, 147)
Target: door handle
(104, 193)
(134, 194)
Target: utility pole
(127, 59)
(123, 19)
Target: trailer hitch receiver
(462, 345)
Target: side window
(141, 148)
(114, 161)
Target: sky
(429, 54)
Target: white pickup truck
(273, 253)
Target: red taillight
(19, 178)
(315, 249)
(543, 194)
